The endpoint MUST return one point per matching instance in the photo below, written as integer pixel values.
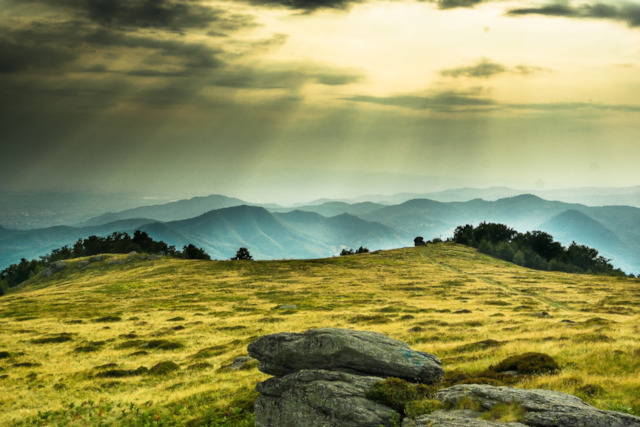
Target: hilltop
(78, 347)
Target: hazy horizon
(143, 198)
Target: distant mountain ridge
(322, 230)
(220, 232)
(181, 209)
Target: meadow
(139, 340)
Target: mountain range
(222, 224)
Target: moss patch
(528, 363)
(504, 412)
(397, 393)
(164, 368)
(120, 373)
(57, 338)
(108, 319)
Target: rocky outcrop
(344, 350)
(459, 418)
(323, 376)
(541, 407)
(319, 398)
(326, 377)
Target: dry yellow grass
(417, 295)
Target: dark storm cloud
(47, 48)
(307, 5)
(192, 56)
(486, 68)
(18, 54)
(625, 12)
(444, 101)
(175, 15)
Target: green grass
(60, 336)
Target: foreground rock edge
(344, 350)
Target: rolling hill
(82, 346)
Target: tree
(519, 258)
(191, 251)
(463, 234)
(242, 255)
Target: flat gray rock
(543, 407)
(461, 418)
(318, 398)
(344, 350)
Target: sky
(273, 100)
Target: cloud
(470, 101)
(174, 15)
(483, 69)
(448, 101)
(452, 4)
(486, 68)
(19, 54)
(625, 12)
(44, 48)
(307, 5)
(575, 106)
(285, 76)
(191, 56)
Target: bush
(528, 363)
(242, 255)
(192, 252)
(360, 250)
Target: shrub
(242, 255)
(528, 363)
(193, 252)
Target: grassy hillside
(71, 345)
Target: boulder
(461, 418)
(543, 408)
(320, 398)
(344, 350)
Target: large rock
(542, 407)
(462, 418)
(318, 398)
(357, 352)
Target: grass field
(85, 346)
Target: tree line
(115, 243)
(533, 249)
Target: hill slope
(75, 342)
